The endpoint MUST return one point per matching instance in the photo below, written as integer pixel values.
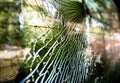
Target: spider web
(64, 60)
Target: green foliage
(72, 11)
(9, 24)
(100, 9)
(10, 6)
(26, 68)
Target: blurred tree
(9, 23)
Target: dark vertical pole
(117, 3)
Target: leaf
(72, 10)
